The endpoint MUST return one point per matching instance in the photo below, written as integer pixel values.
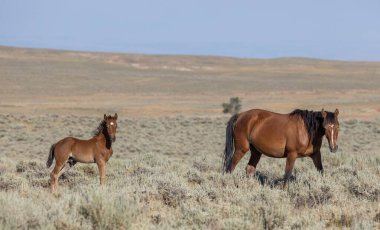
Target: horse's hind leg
(61, 155)
(241, 147)
(58, 170)
(54, 175)
(68, 165)
(255, 157)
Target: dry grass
(165, 173)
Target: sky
(327, 29)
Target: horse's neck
(104, 137)
(318, 137)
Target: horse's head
(331, 126)
(111, 125)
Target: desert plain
(166, 169)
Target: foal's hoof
(55, 192)
(250, 171)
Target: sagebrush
(166, 173)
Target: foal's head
(331, 126)
(111, 125)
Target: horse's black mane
(313, 121)
(103, 129)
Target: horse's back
(65, 142)
(262, 119)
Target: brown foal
(298, 134)
(68, 151)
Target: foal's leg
(255, 157)
(54, 175)
(102, 170)
(68, 165)
(316, 157)
(289, 168)
(241, 147)
(61, 156)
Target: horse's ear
(105, 117)
(115, 116)
(324, 114)
(336, 112)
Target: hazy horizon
(339, 30)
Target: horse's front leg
(102, 170)
(289, 168)
(317, 160)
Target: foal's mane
(313, 121)
(103, 129)
(99, 129)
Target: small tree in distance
(233, 106)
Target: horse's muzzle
(113, 138)
(334, 150)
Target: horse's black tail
(50, 159)
(230, 146)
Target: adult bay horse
(293, 135)
(68, 151)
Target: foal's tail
(50, 159)
(230, 147)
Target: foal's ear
(105, 117)
(324, 114)
(115, 116)
(336, 112)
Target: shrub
(172, 194)
(233, 106)
(106, 211)
(314, 197)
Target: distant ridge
(47, 51)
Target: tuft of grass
(172, 194)
(104, 211)
(313, 197)
(364, 190)
(194, 177)
(10, 182)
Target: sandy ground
(57, 82)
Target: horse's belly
(269, 138)
(271, 148)
(306, 151)
(83, 158)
